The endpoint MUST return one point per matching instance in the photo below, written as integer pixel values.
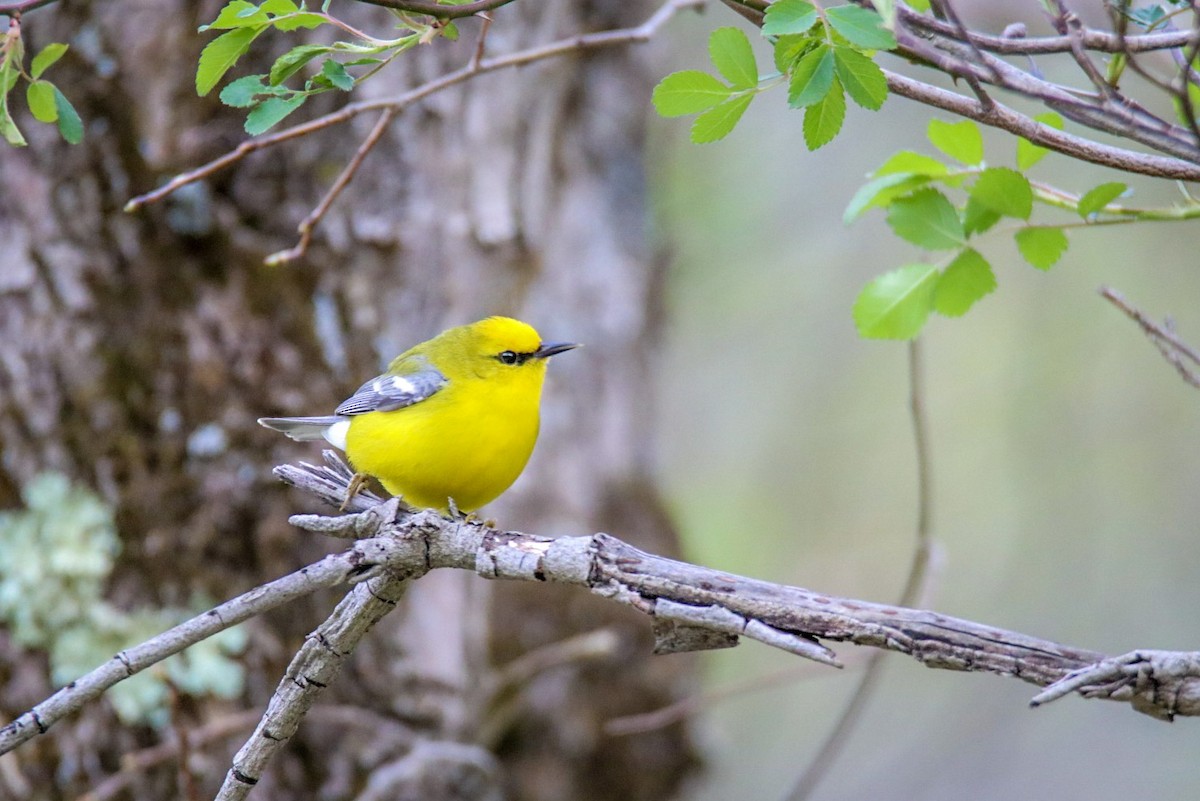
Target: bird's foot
(356, 484)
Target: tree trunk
(136, 352)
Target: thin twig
(439, 10)
(1168, 343)
(480, 43)
(343, 180)
(918, 573)
(16, 9)
(573, 44)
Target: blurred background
(1065, 455)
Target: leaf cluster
(823, 54)
(338, 66)
(46, 101)
(915, 190)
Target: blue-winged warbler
(451, 423)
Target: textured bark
(136, 352)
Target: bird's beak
(548, 349)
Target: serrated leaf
(961, 141)
(963, 283)
(279, 7)
(1005, 191)
(1100, 196)
(221, 54)
(241, 93)
(294, 60)
(812, 77)
(717, 122)
(1041, 247)
(8, 77)
(337, 75)
(861, 27)
(861, 77)
(40, 97)
(733, 57)
(70, 127)
(788, 17)
(236, 14)
(268, 113)
(46, 58)
(882, 191)
(977, 217)
(896, 304)
(911, 162)
(928, 219)
(688, 92)
(788, 50)
(1028, 153)
(823, 119)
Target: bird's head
(501, 349)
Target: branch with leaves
(690, 608)
(826, 54)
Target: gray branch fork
(691, 608)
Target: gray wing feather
(389, 392)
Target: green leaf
(70, 127)
(928, 219)
(268, 113)
(961, 141)
(40, 97)
(978, 218)
(812, 77)
(221, 54)
(861, 27)
(293, 60)
(1098, 197)
(337, 75)
(1028, 153)
(46, 58)
(882, 191)
(789, 49)
(717, 122)
(896, 304)
(965, 281)
(279, 7)
(236, 14)
(1005, 191)
(733, 57)
(688, 92)
(241, 93)
(911, 162)
(310, 21)
(8, 128)
(788, 17)
(861, 77)
(1041, 247)
(823, 119)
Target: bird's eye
(507, 357)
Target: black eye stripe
(511, 357)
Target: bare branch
(1172, 348)
(16, 9)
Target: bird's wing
(395, 389)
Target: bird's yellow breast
(468, 442)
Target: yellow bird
(452, 422)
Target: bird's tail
(303, 428)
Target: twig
(343, 180)
(1169, 345)
(481, 42)
(16, 9)
(1005, 118)
(918, 573)
(574, 44)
